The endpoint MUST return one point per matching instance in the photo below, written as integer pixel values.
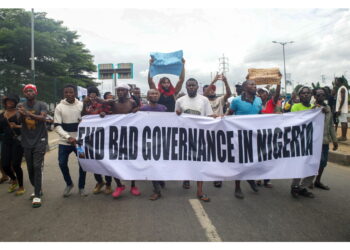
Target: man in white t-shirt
(341, 108)
(195, 104)
(217, 103)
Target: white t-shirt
(218, 105)
(198, 105)
(344, 108)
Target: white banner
(164, 146)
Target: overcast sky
(321, 39)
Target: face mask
(211, 96)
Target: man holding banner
(195, 104)
(246, 104)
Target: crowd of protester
(24, 133)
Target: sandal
(203, 197)
(155, 196)
(36, 202)
(186, 185)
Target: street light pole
(284, 62)
(32, 54)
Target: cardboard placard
(265, 76)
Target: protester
(217, 103)
(298, 186)
(195, 104)
(246, 104)
(269, 106)
(153, 106)
(328, 136)
(124, 105)
(93, 105)
(135, 94)
(288, 105)
(12, 151)
(108, 96)
(342, 108)
(167, 91)
(66, 120)
(34, 138)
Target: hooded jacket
(66, 119)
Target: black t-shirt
(8, 133)
(168, 102)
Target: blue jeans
(63, 155)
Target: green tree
(59, 58)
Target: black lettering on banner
(240, 147)
(302, 139)
(211, 146)
(202, 151)
(230, 146)
(277, 145)
(192, 144)
(113, 142)
(294, 143)
(309, 138)
(156, 143)
(89, 143)
(221, 140)
(261, 141)
(99, 143)
(123, 143)
(269, 143)
(182, 144)
(133, 138)
(286, 141)
(166, 136)
(174, 143)
(248, 145)
(146, 145)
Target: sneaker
(36, 202)
(83, 193)
(20, 191)
(98, 188)
(295, 191)
(4, 179)
(117, 192)
(306, 193)
(12, 187)
(33, 195)
(67, 190)
(108, 190)
(155, 196)
(135, 191)
(239, 194)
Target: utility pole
(223, 68)
(284, 62)
(32, 54)
(323, 78)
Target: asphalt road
(270, 215)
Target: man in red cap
(34, 138)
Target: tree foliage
(59, 57)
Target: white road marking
(204, 220)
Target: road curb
(339, 158)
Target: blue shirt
(241, 107)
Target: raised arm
(227, 87)
(151, 83)
(277, 94)
(178, 86)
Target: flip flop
(203, 197)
